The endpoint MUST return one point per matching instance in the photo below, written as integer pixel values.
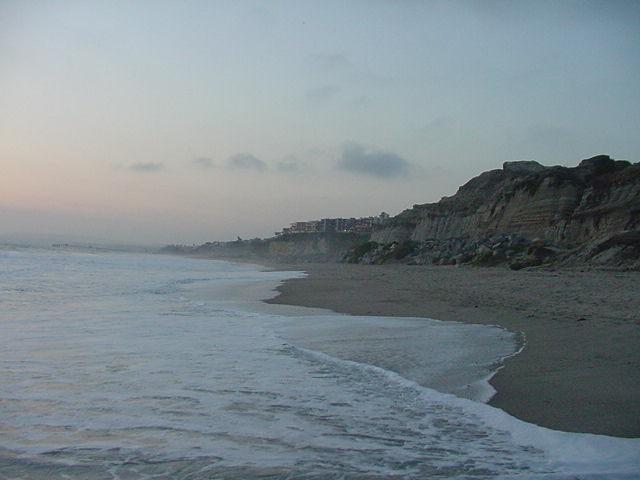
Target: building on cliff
(344, 225)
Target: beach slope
(580, 368)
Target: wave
(550, 454)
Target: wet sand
(580, 368)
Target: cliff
(564, 205)
(575, 209)
(312, 247)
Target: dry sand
(580, 369)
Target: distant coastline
(524, 215)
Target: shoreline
(579, 370)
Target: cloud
(323, 93)
(291, 164)
(204, 162)
(376, 163)
(146, 167)
(246, 161)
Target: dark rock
(523, 166)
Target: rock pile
(513, 250)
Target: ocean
(123, 366)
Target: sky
(157, 121)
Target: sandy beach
(580, 368)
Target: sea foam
(116, 366)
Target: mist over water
(120, 367)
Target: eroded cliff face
(312, 247)
(565, 206)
